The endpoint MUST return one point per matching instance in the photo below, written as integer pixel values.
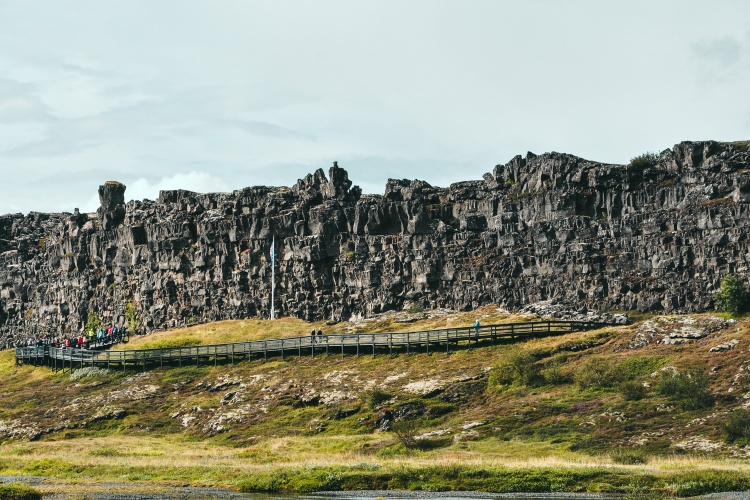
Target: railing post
(408, 344)
(428, 343)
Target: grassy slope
(311, 418)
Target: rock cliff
(655, 236)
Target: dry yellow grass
(258, 329)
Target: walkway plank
(151, 358)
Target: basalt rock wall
(655, 236)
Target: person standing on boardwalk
(312, 336)
(476, 328)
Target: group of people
(319, 335)
(111, 335)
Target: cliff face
(554, 226)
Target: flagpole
(273, 275)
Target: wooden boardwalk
(429, 341)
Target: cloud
(198, 181)
(726, 51)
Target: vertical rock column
(112, 210)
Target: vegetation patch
(18, 491)
(689, 388)
(644, 160)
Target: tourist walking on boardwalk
(476, 328)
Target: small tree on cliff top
(733, 297)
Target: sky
(217, 95)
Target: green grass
(313, 419)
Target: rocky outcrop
(656, 236)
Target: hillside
(580, 412)
(656, 235)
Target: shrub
(93, 323)
(376, 397)
(18, 492)
(131, 313)
(645, 160)
(552, 374)
(737, 427)
(629, 456)
(733, 297)
(415, 308)
(89, 372)
(406, 432)
(690, 389)
(599, 373)
(632, 390)
(518, 367)
(702, 482)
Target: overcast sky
(222, 94)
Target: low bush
(597, 373)
(709, 481)
(18, 492)
(406, 432)
(632, 390)
(639, 489)
(737, 427)
(518, 367)
(629, 456)
(90, 372)
(415, 308)
(644, 160)
(376, 397)
(552, 374)
(689, 389)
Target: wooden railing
(444, 340)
